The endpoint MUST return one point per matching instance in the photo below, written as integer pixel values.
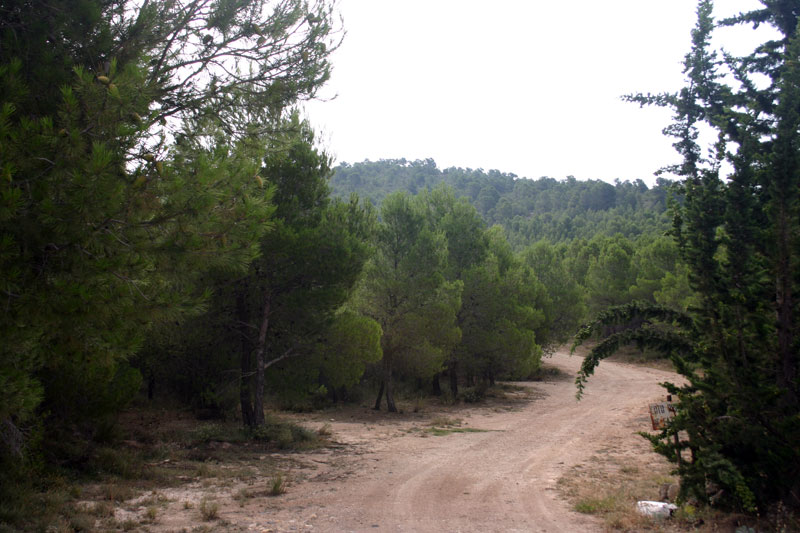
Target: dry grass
(440, 432)
(612, 481)
(610, 485)
(242, 495)
(151, 513)
(278, 485)
(547, 372)
(123, 485)
(118, 492)
(444, 425)
(209, 510)
(445, 421)
(102, 509)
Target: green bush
(473, 394)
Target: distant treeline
(529, 210)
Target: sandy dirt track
(389, 474)
(503, 479)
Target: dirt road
(391, 474)
(501, 479)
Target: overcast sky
(530, 87)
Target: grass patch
(275, 432)
(129, 524)
(419, 405)
(242, 495)
(156, 449)
(102, 509)
(278, 485)
(285, 435)
(596, 505)
(81, 522)
(30, 503)
(613, 481)
(205, 471)
(208, 510)
(151, 514)
(445, 422)
(444, 425)
(118, 462)
(117, 492)
(550, 373)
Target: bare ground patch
(172, 473)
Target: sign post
(660, 414)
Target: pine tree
(131, 135)
(502, 316)
(739, 234)
(287, 304)
(405, 291)
(308, 265)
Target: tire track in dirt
(503, 479)
(385, 476)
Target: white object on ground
(656, 509)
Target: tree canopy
(529, 209)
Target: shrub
(209, 510)
(277, 485)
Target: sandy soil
(389, 474)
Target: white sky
(529, 87)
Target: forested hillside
(591, 244)
(544, 208)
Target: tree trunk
(785, 305)
(390, 394)
(380, 395)
(261, 355)
(386, 386)
(246, 359)
(245, 392)
(454, 379)
(333, 394)
(151, 384)
(437, 387)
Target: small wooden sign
(661, 413)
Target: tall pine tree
(739, 234)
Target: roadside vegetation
(161, 458)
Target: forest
(170, 228)
(529, 210)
